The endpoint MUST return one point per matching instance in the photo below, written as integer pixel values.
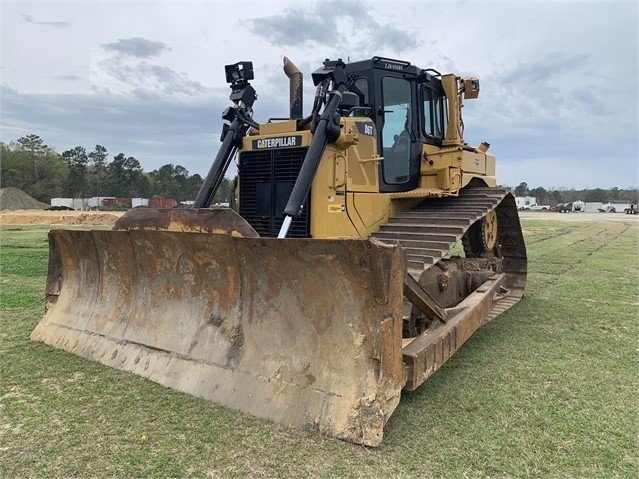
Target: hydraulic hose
(221, 163)
(327, 129)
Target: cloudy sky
(558, 102)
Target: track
(429, 231)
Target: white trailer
(66, 202)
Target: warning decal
(336, 208)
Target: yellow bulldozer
(367, 241)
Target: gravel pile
(15, 199)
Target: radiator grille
(266, 181)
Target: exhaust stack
(296, 88)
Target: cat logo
(278, 142)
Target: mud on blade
(303, 332)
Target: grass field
(549, 389)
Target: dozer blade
(303, 332)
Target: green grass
(549, 389)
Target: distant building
(99, 201)
(67, 202)
(74, 203)
(523, 201)
(139, 202)
(106, 201)
(162, 202)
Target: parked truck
(564, 207)
(538, 207)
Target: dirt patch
(39, 217)
(16, 199)
(578, 217)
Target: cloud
(154, 129)
(292, 27)
(26, 18)
(321, 24)
(136, 47)
(376, 34)
(558, 102)
(143, 78)
(66, 77)
(54, 24)
(150, 78)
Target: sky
(558, 101)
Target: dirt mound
(95, 219)
(15, 199)
(39, 217)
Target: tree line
(595, 195)
(36, 168)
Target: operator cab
(409, 108)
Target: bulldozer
(367, 241)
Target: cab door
(397, 119)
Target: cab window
(360, 87)
(435, 113)
(396, 131)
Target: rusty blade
(303, 332)
(194, 220)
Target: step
(426, 226)
(425, 231)
(441, 220)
